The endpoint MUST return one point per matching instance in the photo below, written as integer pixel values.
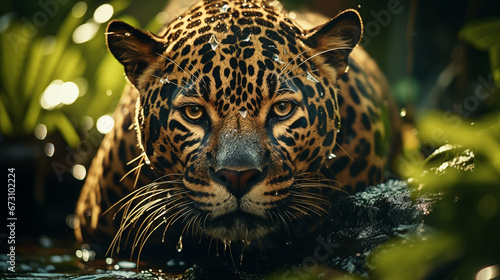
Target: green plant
(463, 177)
(465, 218)
(485, 35)
(28, 67)
(31, 67)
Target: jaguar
(237, 125)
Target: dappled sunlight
(59, 93)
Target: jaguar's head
(242, 103)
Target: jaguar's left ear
(335, 40)
(134, 48)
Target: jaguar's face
(243, 104)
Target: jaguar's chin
(239, 226)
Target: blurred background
(59, 85)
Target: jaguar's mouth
(238, 225)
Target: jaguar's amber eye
(283, 109)
(193, 112)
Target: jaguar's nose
(238, 182)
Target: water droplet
(276, 193)
(402, 112)
(213, 42)
(311, 78)
(332, 156)
(243, 113)
(288, 242)
(168, 195)
(359, 6)
(278, 59)
(178, 247)
(226, 243)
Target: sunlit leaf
(414, 259)
(13, 46)
(119, 5)
(482, 34)
(73, 65)
(5, 122)
(33, 67)
(495, 62)
(485, 35)
(57, 120)
(52, 61)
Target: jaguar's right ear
(134, 48)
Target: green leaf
(56, 120)
(5, 122)
(33, 66)
(495, 62)
(73, 66)
(414, 259)
(438, 130)
(32, 115)
(482, 34)
(485, 35)
(13, 50)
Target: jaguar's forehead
(243, 50)
(241, 19)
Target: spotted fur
(238, 124)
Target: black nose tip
(238, 182)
